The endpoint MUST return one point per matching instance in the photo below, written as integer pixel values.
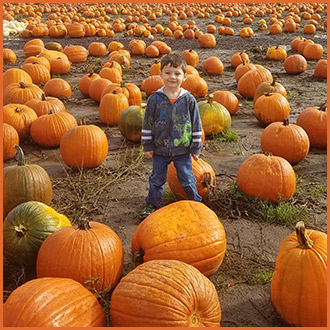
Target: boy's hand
(196, 157)
(148, 154)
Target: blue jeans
(157, 179)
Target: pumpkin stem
(210, 100)
(273, 82)
(304, 242)
(286, 122)
(22, 84)
(20, 153)
(20, 230)
(43, 97)
(138, 256)
(207, 182)
(323, 107)
(91, 75)
(267, 94)
(83, 224)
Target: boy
(172, 131)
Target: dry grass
(84, 192)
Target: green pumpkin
(26, 227)
(130, 122)
(215, 117)
(25, 182)
(52, 45)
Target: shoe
(148, 209)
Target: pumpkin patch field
(76, 80)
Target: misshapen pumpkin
(84, 252)
(267, 177)
(299, 283)
(203, 173)
(40, 303)
(165, 293)
(26, 227)
(186, 230)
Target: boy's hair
(174, 60)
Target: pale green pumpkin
(215, 117)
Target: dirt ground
(252, 244)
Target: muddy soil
(252, 243)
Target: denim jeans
(157, 179)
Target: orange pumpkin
(203, 173)
(213, 65)
(200, 309)
(266, 177)
(48, 296)
(177, 229)
(299, 282)
(10, 139)
(105, 262)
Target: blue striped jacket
(171, 129)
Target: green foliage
(262, 277)
(226, 136)
(249, 103)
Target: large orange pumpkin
(84, 252)
(165, 293)
(267, 177)
(52, 302)
(296, 144)
(84, 146)
(203, 173)
(299, 283)
(186, 230)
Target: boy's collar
(182, 91)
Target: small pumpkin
(9, 56)
(196, 85)
(48, 129)
(178, 229)
(84, 146)
(20, 93)
(271, 107)
(313, 52)
(299, 282)
(151, 84)
(295, 64)
(85, 82)
(105, 262)
(243, 68)
(15, 75)
(213, 65)
(52, 45)
(76, 53)
(320, 70)
(130, 122)
(269, 87)
(48, 296)
(296, 144)
(25, 182)
(10, 139)
(207, 40)
(249, 82)
(227, 99)
(60, 65)
(191, 57)
(238, 58)
(203, 173)
(38, 72)
(97, 49)
(314, 121)
(26, 227)
(214, 116)
(96, 88)
(111, 106)
(43, 105)
(20, 117)
(266, 177)
(57, 87)
(200, 309)
(276, 53)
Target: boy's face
(172, 77)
